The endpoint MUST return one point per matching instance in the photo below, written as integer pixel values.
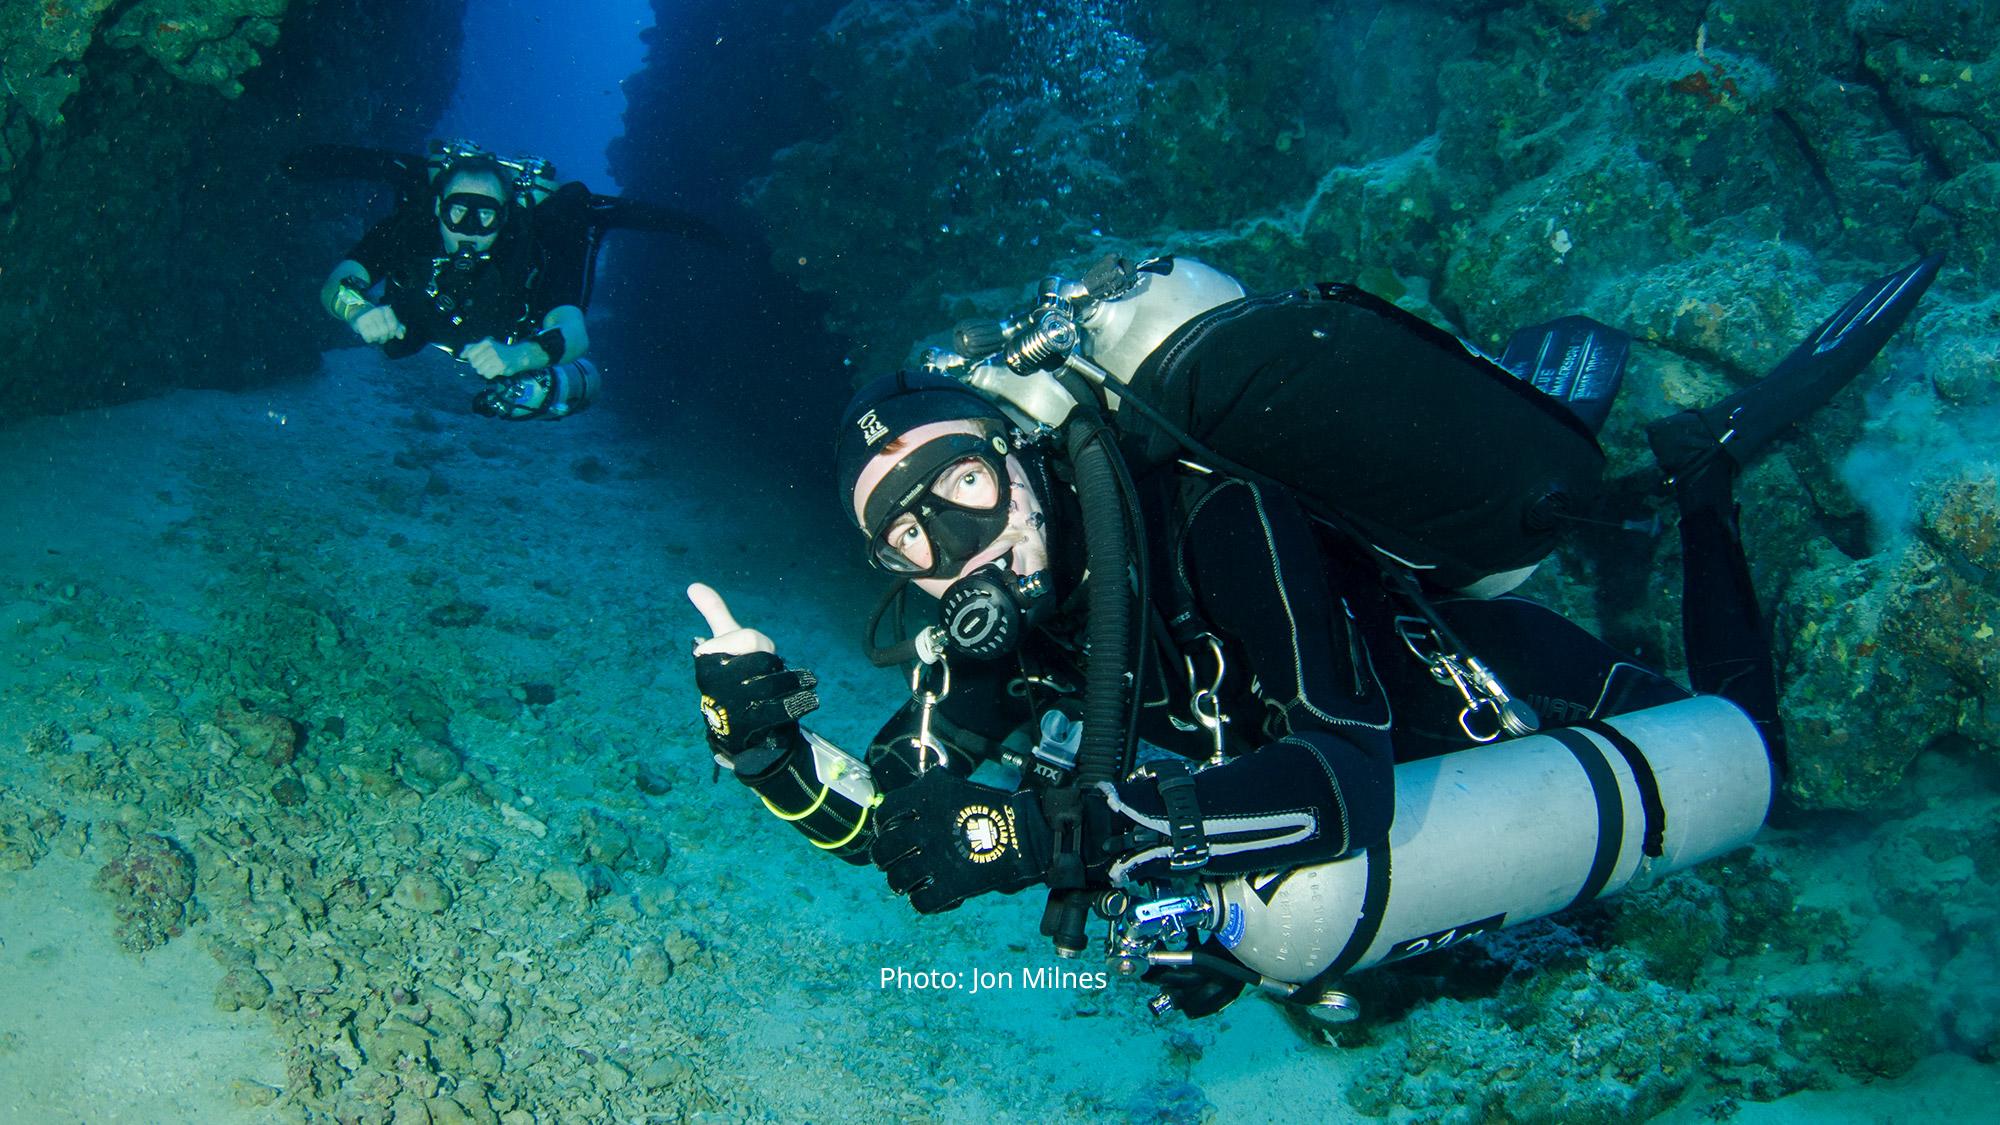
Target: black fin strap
(1642, 775)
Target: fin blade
(1871, 316)
(1575, 360)
(1838, 350)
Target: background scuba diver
(490, 260)
(1292, 620)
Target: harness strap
(1177, 793)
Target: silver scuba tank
(1105, 325)
(552, 393)
(1504, 833)
(1119, 333)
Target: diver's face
(470, 211)
(1023, 542)
(979, 508)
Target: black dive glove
(745, 699)
(943, 839)
(1194, 990)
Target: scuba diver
(487, 259)
(1221, 645)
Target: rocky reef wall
(151, 241)
(1713, 176)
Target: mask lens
(974, 483)
(904, 549)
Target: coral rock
(421, 892)
(152, 890)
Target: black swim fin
(1574, 360)
(611, 212)
(352, 162)
(1742, 425)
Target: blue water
(546, 79)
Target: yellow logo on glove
(718, 719)
(986, 833)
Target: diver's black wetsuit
(1322, 695)
(1438, 455)
(1310, 754)
(1323, 692)
(537, 264)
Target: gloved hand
(495, 360)
(378, 325)
(943, 839)
(746, 690)
(1195, 991)
(745, 698)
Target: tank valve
(980, 337)
(1044, 344)
(1333, 1008)
(1139, 929)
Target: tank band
(1642, 775)
(1610, 810)
(1374, 904)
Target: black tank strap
(1642, 775)
(1374, 903)
(1184, 825)
(1610, 810)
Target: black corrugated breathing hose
(1109, 605)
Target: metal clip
(1206, 702)
(1477, 686)
(927, 701)
(1473, 707)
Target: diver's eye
(906, 535)
(906, 538)
(486, 216)
(457, 213)
(968, 484)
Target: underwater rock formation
(151, 241)
(26, 831)
(152, 890)
(1517, 157)
(1891, 652)
(1715, 179)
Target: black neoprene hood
(890, 407)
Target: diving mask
(471, 214)
(953, 505)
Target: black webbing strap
(1642, 776)
(1374, 903)
(1189, 841)
(1610, 810)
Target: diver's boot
(1728, 435)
